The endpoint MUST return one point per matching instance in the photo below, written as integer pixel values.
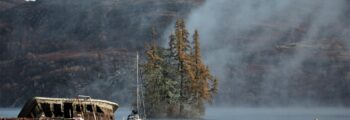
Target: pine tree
(172, 50)
(159, 83)
(152, 74)
(184, 61)
(204, 85)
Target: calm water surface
(245, 113)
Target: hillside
(264, 53)
(63, 48)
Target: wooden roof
(31, 104)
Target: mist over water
(276, 52)
(219, 113)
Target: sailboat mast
(137, 81)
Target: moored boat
(81, 108)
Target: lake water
(216, 113)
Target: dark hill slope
(63, 48)
(47, 26)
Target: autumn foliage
(176, 81)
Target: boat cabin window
(78, 108)
(47, 109)
(98, 109)
(57, 111)
(89, 108)
(68, 110)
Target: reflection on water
(278, 114)
(216, 113)
(121, 113)
(9, 112)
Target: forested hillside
(62, 48)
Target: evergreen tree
(159, 85)
(151, 77)
(184, 61)
(204, 85)
(172, 49)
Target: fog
(220, 113)
(264, 51)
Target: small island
(176, 82)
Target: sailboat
(135, 113)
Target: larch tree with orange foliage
(184, 67)
(204, 85)
(160, 91)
